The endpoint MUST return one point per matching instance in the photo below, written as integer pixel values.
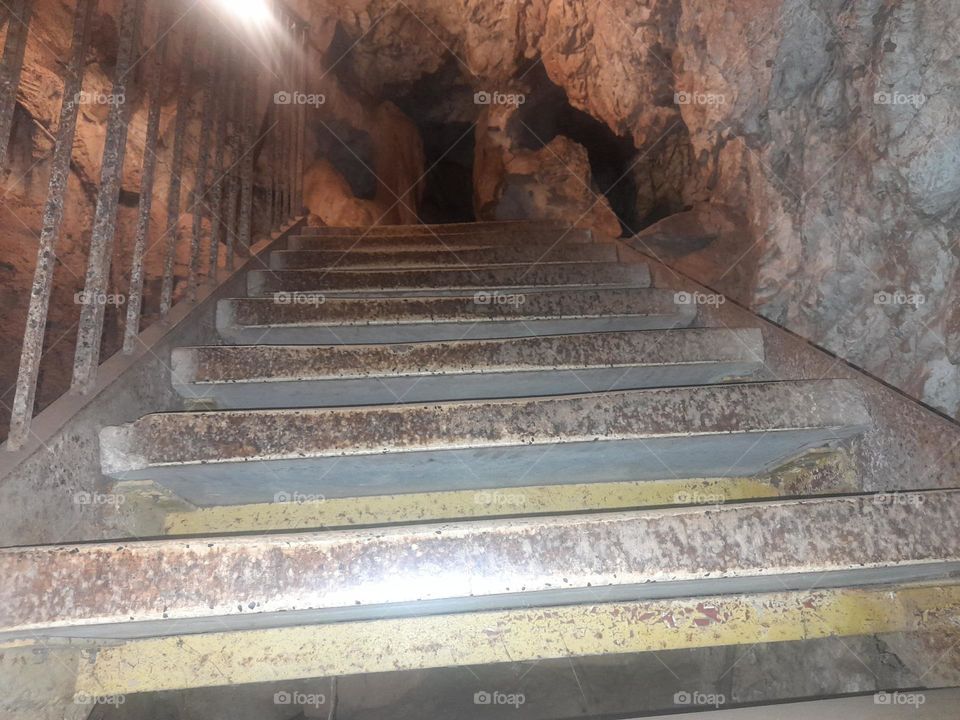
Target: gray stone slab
(296, 320)
(246, 456)
(265, 580)
(271, 376)
(439, 258)
(446, 281)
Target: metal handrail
(223, 190)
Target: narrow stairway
(435, 419)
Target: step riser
(266, 283)
(419, 389)
(427, 241)
(391, 320)
(248, 456)
(744, 454)
(441, 332)
(496, 227)
(294, 260)
(271, 376)
(247, 582)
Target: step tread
(272, 376)
(179, 437)
(439, 258)
(583, 302)
(435, 241)
(241, 456)
(437, 282)
(231, 364)
(439, 228)
(318, 320)
(263, 580)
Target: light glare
(253, 11)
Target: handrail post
(233, 143)
(218, 224)
(147, 178)
(301, 120)
(246, 168)
(176, 167)
(89, 336)
(18, 29)
(32, 350)
(203, 159)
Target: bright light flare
(256, 12)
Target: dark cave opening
(547, 113)
(441, 105)
(350, 151)
(448, 194)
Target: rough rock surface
(331, 201)
(831, 127)
(552, 182)
(839, 136)
(816, 143)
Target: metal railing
(227, 70)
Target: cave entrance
(441, 106)
(547, 113)
(351, 152)
(448, 193)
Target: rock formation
(801, 157)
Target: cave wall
(805, 155)
(839, 139)
(801, 157)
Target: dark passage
(547, 113)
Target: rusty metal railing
(225, 72)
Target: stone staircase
(469, 418)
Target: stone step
(245, 456)
(448, 281)
(740, 623)
(428, 241)
(159, 587)
(816, 473)
(440, 228)
(315, 320)
(501, 255)
(273, 376)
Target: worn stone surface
(442, 257)
(456, 279)
(350, 568)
